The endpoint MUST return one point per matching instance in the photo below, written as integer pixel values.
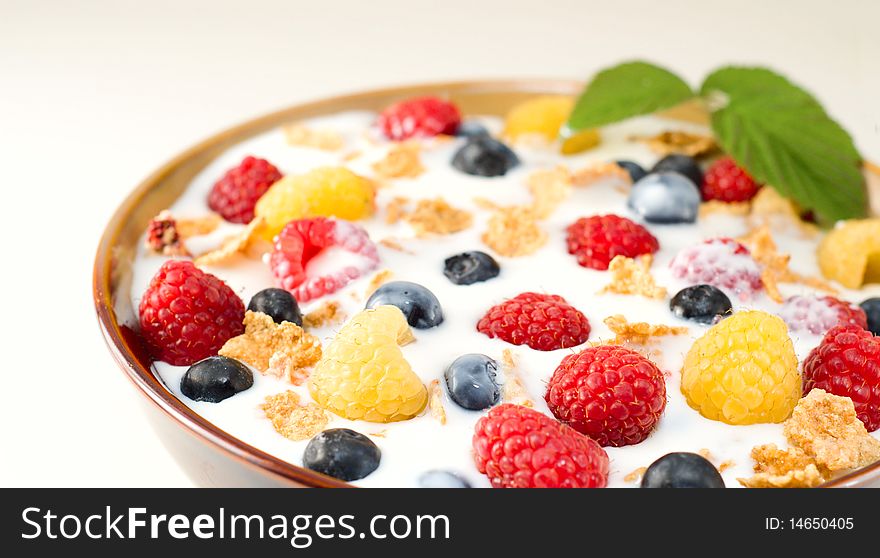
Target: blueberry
(470, 267)
(681, 164)
(442, 479)
(701, 303)
(871, 307)
(470, 381)
(418, 304)
(665, 197)
(277, 303)
(342, 453)
(635, 170)
(471, 129)
(484, 156)
(216, 378)
(682, 470)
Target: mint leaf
(624, 91)
(784, 138)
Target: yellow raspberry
(544, 116)
(363, 375)
(743, 371)
(850, 253)
(321, 192)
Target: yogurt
(410, 448)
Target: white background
(95, 95)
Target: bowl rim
(123, 351)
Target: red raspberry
(847, 363)
(187, 315)
(517, 447)
(819, 314)
(541, 321)
(596, 240)
(235, 195)
(722, 263)
(302, 240)
(727, 182)
(419, 117)
(612, 394)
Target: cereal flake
(401, 161)
(232, 245)
(776, 468)
(684, 143)
(377, 281)
(290, 419)
(514, 231)
(549, 188)
(727, 208)
(198, 226)
(263, 343)
(328, 313)
(513, 390)
(635, 476)
(825, 426)
(631, 276)
(395, 210)
(301, 135)
(594, 172)
(435, 402)
(638, 332)
(438, 217)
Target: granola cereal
(327, 313)
(633, 277)
(301, 135)
(514, 231)
(294, 421)
(438, 217)
(233, 245)
(685, 143)
(435, 402)
(401, 161)
(638, 332)
(263, 340)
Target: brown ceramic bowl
(210, 456)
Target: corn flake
(435, 402)
(401, 161)
(438, 217)
(638, 332)
(198, 226)
(549, 188)
(301, 135)
(233, 245)
(262, 342)
(328, 313)
(377, 281)
(599, 171)
(290, 419)
(727, 208)
(684, 143)
(514, 231)
(633, 277)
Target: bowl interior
(112, 272)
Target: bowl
(210, 456)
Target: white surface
(95, 95)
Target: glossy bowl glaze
(209, 455)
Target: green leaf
(783, 137)
(627, 90)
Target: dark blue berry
(470, 267)
(681, 164)
(871, 307)
(701, 303)
(665, 197)
(216, 378)
(471, 129)
(484, 156)
(418, 304)
(277, 303)
(682, 470)
(442, 479)
(342, 453)
(635, 170)
(470, 381)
